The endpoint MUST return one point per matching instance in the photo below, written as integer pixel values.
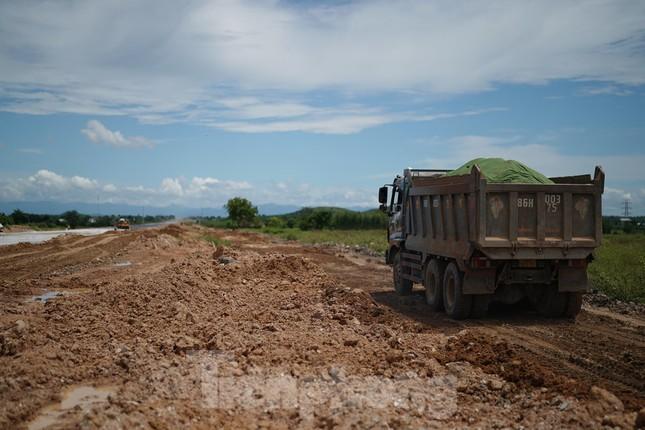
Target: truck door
(395, 226)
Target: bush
(275, 222)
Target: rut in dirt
(593, 350)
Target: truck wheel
(433, 282)
(480, 305)
(552, 303)
(403, 287)
(456, 303)
(574, 304)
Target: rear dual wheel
(433, 282)
(574, 304)
(554, 304)
(403, 287)
(444, 289)
(457, 304)
(480, 305)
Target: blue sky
(306, 103)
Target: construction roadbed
(158, 329)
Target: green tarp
(499, 170)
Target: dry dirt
(157, 329)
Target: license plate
(527, 263)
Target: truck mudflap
(572, 279)
(480, 281)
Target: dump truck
(122, 224)
(469, 241)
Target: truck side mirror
(382, 195)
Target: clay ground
(155, 329)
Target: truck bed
(454, 216)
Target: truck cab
(391, 198)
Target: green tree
(73, 218)
(319, 219)
(5, 219)
(241, 211)
(19, 217)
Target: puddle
(123, 264)
(49, 295)
(83, 397)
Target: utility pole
(627, 208)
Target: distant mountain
(276, 209)
(124, 209)
(332, 209)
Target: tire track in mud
(42, 248)
(590, 350)
(600, 369)
(60, 252)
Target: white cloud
(205, 63)
(98, 133)
(203, 184)
(342, 121)
(622, 194)
(548, 160)
(46, 185)
(606, 90)
(172, 187)
(614, 201)
(83, 183)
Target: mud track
(157, 329)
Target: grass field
(618, 271)
(619, 268)
(372, 239)
(216, 240)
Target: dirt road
(157, 329)
(30, 236)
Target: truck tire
(574, 304)
(433, 282)
(456, 303)
(552, 303)
(480, 305)
(403, 287)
